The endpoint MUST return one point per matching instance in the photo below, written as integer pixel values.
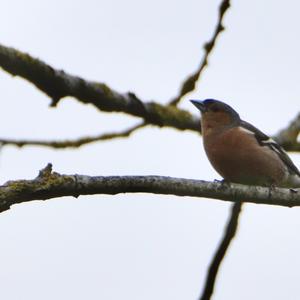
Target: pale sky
(141, 246)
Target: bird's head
(216, 114)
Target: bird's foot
(223, 182)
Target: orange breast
(238, 157)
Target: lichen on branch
(58, 84)
(48, 185)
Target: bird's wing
(265, 140)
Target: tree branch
(72, 143)
(51, 185)
(58, 84)
(189, 83)
(287, 137)
(229, 234)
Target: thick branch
(229, 234)
(51, 185)
(72, 143)
(189, 83)
(58, 84)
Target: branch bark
(76, 143)
(229, 234)
(52, 185)
(190, 82)
(287, 141)
(287, 137)
(58, 84)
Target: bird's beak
(199, 104)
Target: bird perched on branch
(240, 152)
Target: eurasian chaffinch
(240, 152)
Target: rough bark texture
(58, 84)
(51, 185)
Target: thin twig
(229, 234)
(287, 141)
(72, 143)
(189, 83)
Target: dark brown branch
(229, 234)
(58, 84)
(51, 185)
(189, 83)
(72, 143)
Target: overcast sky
(143, 247)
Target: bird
(240, 152)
